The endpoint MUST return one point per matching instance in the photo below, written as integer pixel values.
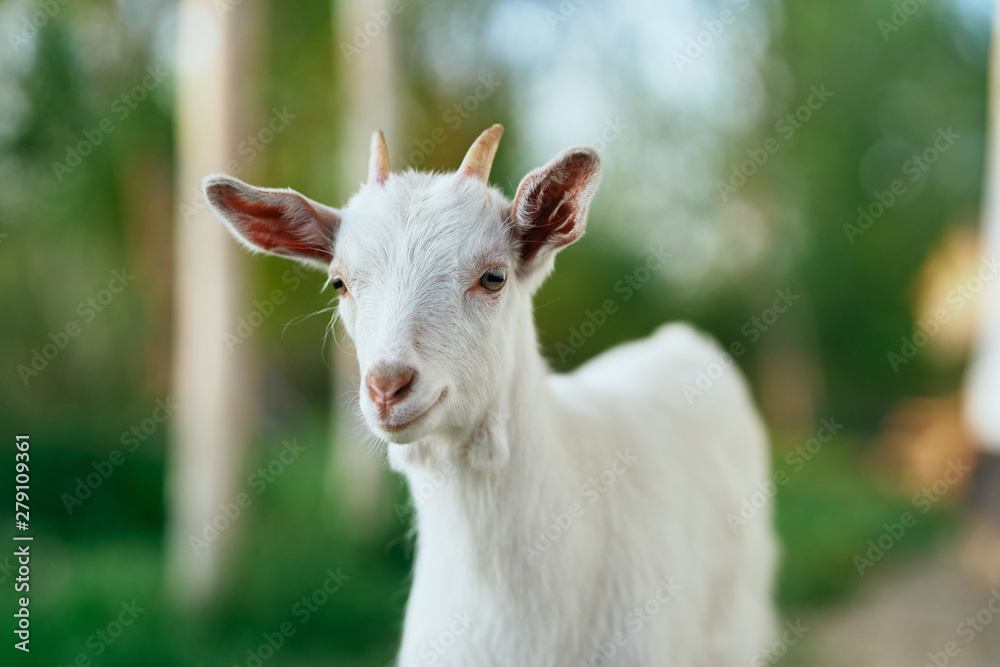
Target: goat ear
(550, 207)
(280, 222)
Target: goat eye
(493, 279)
(338, 284)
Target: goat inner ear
(276, 239)
(550, 207)
(281, 222)
(556, 218)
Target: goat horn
(378, 162)
(479, 160)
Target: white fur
(662, 520)
(511, 447)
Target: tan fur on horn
(479, 160)
(378, 162)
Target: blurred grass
(825, 515)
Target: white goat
(575, 519)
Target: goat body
(577, 519)
(605, 536)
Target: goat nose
(387, 389)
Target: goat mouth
(393, 428)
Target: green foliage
(891, 96)
(827, 513)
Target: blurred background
(814, 171)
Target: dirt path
(924, 614)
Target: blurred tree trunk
(207, 435)
(146, 190)
(982, 400)
(356, 480)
